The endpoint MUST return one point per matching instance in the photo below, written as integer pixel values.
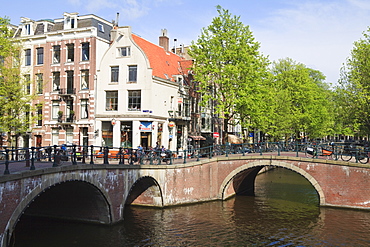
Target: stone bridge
(99, 193)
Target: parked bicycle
(351, 151)
(320, 151)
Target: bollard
(92, 155)
(83, 160)
(27, 157)
(6, 171)
(32, 158)
(121, 158)
(106, 151)
(56, 157)
(74, 157)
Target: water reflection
(284, 212)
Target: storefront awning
(198, 138)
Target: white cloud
(318, 34)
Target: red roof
(163, 63)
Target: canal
(284, 212)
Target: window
(132, 73)
(40, 55)
(56, 81)
(100, 27)
(69, 135)
(84, 79)
(84, 109)
(27, 53)
(54, 136)
(27, 29)
(114, 73)
(111, 101)
(124, 51)
(85, 51)
(39, 115)
(55, 109)
(56, 54)
(134, 100)
(39, 83)
(27, 83)
(70, 84)
(107, 133)
(70, 53)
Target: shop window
(107, 133)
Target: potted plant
(60, 115)
(72, 115)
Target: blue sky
(317, 33)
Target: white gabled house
(139, 94)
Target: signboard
(216, 134)
(145, 126)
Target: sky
(317, 33)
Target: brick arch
(228, 179)
(45, 185)
(145, 191)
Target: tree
(354, 88)
(302, 101)
(15, 110)
(230, 70)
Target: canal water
(284, 212)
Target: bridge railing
(54, 156)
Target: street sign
(216, 134)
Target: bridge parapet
(112, 186)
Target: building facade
(141, 94)
(60, 60)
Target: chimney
(164, 41)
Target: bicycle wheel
(346, 156)
(310, 152)
(363, 158)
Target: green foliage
(302, 102)
(230, 70)
(354, 88)
(15, 110)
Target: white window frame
(124, 51)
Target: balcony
(66, 119)
(67, 91)
(177, 115)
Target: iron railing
(75, 154)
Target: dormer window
(70, 20)
(100, 27)
(124, 51)
(27, 29)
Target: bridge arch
(89, 188)
(225, 185)
(145, 191)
